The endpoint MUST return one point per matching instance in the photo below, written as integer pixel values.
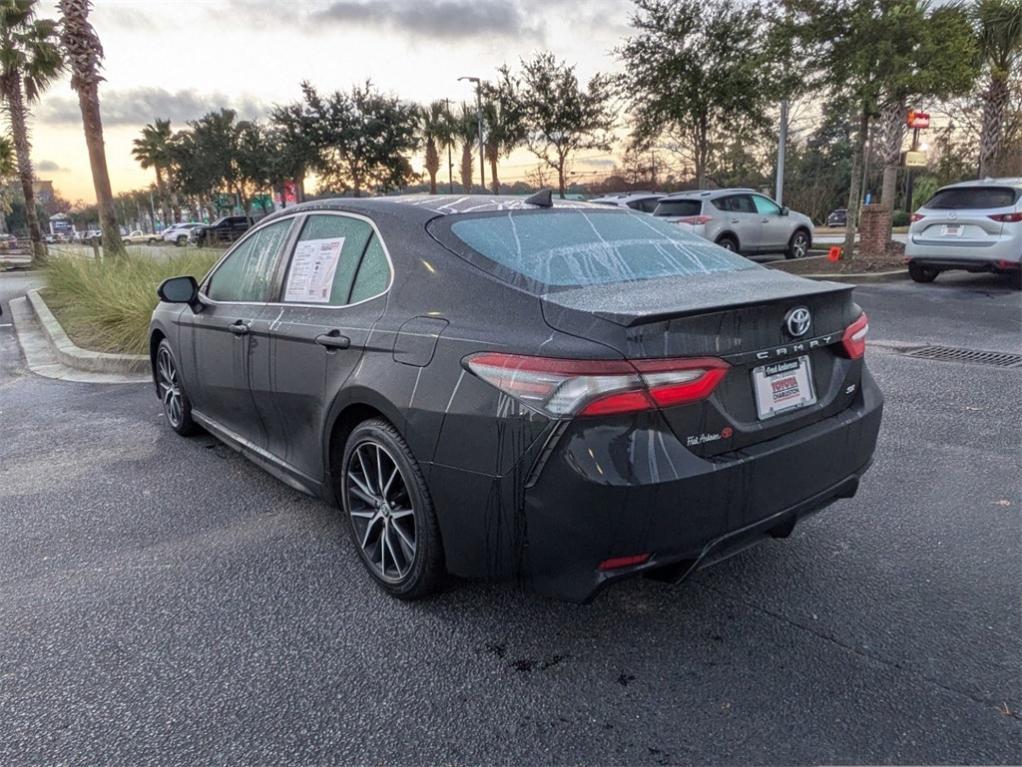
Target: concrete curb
(897, 274)
(74, 356)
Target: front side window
(247, 273)
(325, 265)
(571, 248)
(766, 207)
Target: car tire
(177, 409)
(380, 479)
(921, 273)
(728, 243)
(1015, 279)
(798, 245)
(181, 241)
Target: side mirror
(178, 290)
(785, 211)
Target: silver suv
(741, 220)
(974, 225)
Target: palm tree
(8, 169)
(434, 125)
(152, 150)
(504, 132)
(85, 55)
(466, 129)
(999, 32)
(29, 61)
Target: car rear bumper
(960, 255)
(609, 491)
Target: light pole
(479, 120)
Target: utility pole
(782, 141)
(479, 122)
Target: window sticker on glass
(312, 270)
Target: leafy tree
(698, 76)
(559, 116)
(8, 170)
(999, 32)
(153, 150)
(435, 133)
(466, 130)
(854, 48)
(294, 151)
(30, 60)
(940, 63)
(361, 138)
(85, 55)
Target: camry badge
(797, 322)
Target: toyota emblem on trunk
(797, 321)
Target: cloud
(434, 19)
(49, 166)
(138, 106)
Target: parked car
(138, 237)
(181, 233)
(224, 229)
(642, 201)
(93, 236)
(838, 217)
(740, 220)
(973, 225)
(657, 403)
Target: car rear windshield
(679, 208)
(964, 197)
(572, 248)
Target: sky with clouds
(182, 58)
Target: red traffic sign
(918, 119)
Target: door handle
(239, 328)
(333, 340)
(734, 220)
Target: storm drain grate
(971, 356)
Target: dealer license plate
(950, 230)
(783, 386)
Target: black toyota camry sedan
(563, 393)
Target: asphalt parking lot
(164, 601)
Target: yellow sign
(915, 159)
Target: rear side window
(373, 273)
(679, 208)
(247, 273)
(965, 197)
(325, 260)
(571, 248)
(737, 203)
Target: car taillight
(854, 340)
(563, 388)
(1008, 218)
(917, 217)
(695, 220)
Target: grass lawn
(105, 305)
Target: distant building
(61, 224)
(44, 193)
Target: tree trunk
(467, 166)
(432, 164)
(88, 100)
(23, 150)
(891, 136)
(855, 192)
(995, 104)
(493, 174)
(162, 192)
(560, 176)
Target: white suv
(974, 225)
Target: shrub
(106, 305)
(899, 218)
